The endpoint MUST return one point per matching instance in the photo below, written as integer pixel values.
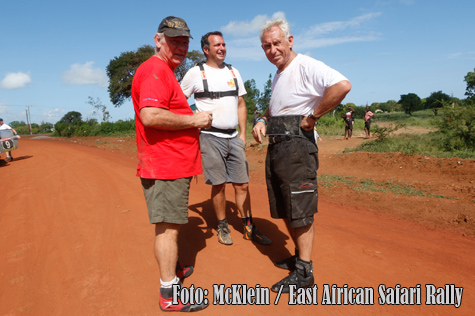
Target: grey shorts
(223, 159)
(167, 200)
(291, 176)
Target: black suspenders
(216, 94)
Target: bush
(457, 127)
(331, 125)
(382, 133)
(92, 128)
(424, 118)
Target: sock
(168, 285)
(307, 266)
(303, 261)
(223, 221)
(247, 221)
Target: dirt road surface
(75, 238)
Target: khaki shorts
(167, 200)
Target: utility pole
(28, 119)
(29, 116)
(27, 122)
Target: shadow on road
(197, 232)
(6, 163)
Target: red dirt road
(75, 240)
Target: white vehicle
(8, 141)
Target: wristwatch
(313, 117)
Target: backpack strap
(216, 94)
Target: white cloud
(338, 32)
(85, 74)
(467, 55)
(52, 115)
(248, 48)
(332, 41)
(455, 56)
(337, 26)
(15, 80)
(246, 28)
(245, 44)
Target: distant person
(349, 120)
(368, 116)
(347, 126)
(317, 137)
(219, 88)
(168, 151)
(4, 127)
(303, 90)
(257, 114)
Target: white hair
(161, 36)
(281, 23)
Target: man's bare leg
(243, 199)
(166, 249)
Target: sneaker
(8, 159)
(166, 303)
(251, 233)
(183, 272)
(224, 234)
(301, 277)
(287, 264)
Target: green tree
(376, 105)
(101, 109)
(340, 108)
(264, 99)
(359, 111)
(251, 98)
(72, 117)
(392, 104)
(34, 128)
(470, 80)
(121, 71)
(67, 125)
(436, 100)
(410, 102)
(45, 127)
(16, 124)
(387, 106)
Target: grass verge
(413, 144)
(364, 185)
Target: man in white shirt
(303, 90)
(5, 126)
(218, 87)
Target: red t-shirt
(163, 154)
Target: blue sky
(53, 54)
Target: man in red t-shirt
(168, 151)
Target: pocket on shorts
(238, 141)
(312, 151)
(304, 198)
